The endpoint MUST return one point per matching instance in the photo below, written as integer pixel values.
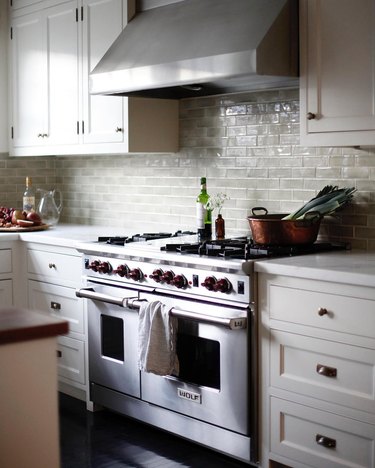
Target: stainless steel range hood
(202, 47)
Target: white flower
(217, 201)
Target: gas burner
(145, 237)
(244, 248)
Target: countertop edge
(18, 325)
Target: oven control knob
(167, 277)
(122, 270)
(179, 281)
(156, 275)
(209, 283)
(104, 267)
(136, 274)
(94, 265)
(223, 285)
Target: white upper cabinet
(44, 77)
(4, 34)
(53, 50)
(103, 115)
(337, 82)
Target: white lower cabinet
(6, 293)
(53, 274)
(318, 373)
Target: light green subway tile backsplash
(246, 144)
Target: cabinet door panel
(29, 72)
(338, 71)
(103, 115)
(6, 293)
(63, 74)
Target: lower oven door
(213, 381)
(113, 341)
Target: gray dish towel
(157, 333)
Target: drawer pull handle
(55, 305)
(51, 265)
(322, 311)
(325, 370)
(325, 441)
(59, 353)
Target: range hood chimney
(191, 48)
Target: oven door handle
(89, 293)
(233, 323)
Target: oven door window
(112, 331)
(199, 360)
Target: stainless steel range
(210, 289)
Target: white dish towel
(157, 332)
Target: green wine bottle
(204, 222)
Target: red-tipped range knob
(167, 277)
(156, 275)
(94, 265)
(136, 274)
(105, 267)
(122, 270)
(179, 281)
(223, 285)
(209, 283)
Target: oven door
(112, 339)
(213, 382)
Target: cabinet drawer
(296, 430)
(6, 261)
(59, 301)
(334, 372)
(6, 293)
(54, 266)
(71, 359)
(339, 313)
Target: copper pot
(271, 229)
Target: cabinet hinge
(11, 132)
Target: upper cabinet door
(62, 74)
(337, 72)
(103, 115)
(28, 81)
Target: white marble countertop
(348, 267)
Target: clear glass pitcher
(47, 208)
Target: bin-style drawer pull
(325, 370)
(322, 311)
(52, 265)
(325, 441)
(55, 305)
(59, 353)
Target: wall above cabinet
(54, 46)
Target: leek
(327, 201)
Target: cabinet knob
(45, 135)
(59, 353)
(322, 311)
(52, 265)
(40, 135)
(325, 441)
(310, 116)
(326, 371)
(118, 129)
(55, 305)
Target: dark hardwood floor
(108, 440)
